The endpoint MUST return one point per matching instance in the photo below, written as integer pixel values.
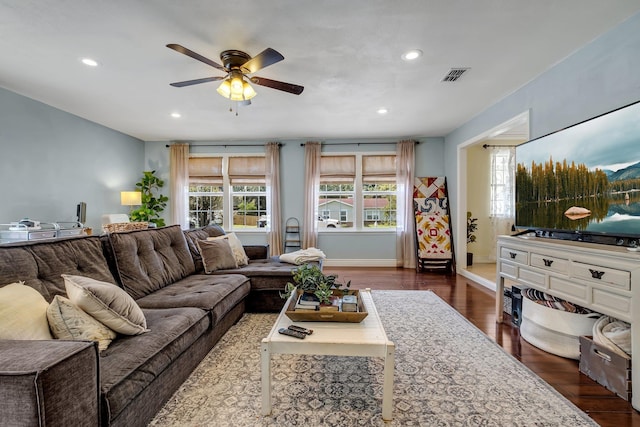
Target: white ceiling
(345, 53)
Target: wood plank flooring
(477, 304)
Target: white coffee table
(366, 338)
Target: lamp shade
(130, 198)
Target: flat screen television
(583, 182)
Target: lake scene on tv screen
(583, 178)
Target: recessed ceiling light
(412, 54)
(382, 110)
(89, 62)
(176, 115)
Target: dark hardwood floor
(477, 304)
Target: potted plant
(309, 279)
(152, 204)
(472, 227)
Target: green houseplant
(472, 227)
(152, 203)
(309, 278)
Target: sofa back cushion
(148, 260)
(40, 264)
(202, 233)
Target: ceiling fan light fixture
(236, 89)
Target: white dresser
(602, 278)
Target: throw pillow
(236, 246)
(106, 303)
(68, 322)
(216, 255)
(23, 313)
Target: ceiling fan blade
(196, 56)
(263, 59)
(274, 84)
(195, 82)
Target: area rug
(448, 373)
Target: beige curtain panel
(312, 154)
(272, 176)
(405, 239)
(179, 184)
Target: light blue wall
(372, 246)
(601, 76)
(51, 160)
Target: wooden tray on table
(326, 316)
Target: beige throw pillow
(106, 303)
(236, 246)
(23, 313)
(69, 322)
(216, 255)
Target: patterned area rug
(448, 373)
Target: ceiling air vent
(454, 74)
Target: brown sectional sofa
(54, 382)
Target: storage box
(605, 367)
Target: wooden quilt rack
(434, 237)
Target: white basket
(555, 331)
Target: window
(502, 182)
(337, 191)
(229, 191)
(357, 191)
(379, 190)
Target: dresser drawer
(617, 279)
(533, 277)
(508, 270)
(609, 303)
(546, 262)
(572, 291)
(514, 255)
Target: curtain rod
(493, 146)
(227, 145)
(302, 144)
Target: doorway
(474, 195)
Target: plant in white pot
(472, 227)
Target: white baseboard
(489, 284)
(359, 263)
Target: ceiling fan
(236, 66)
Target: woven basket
(117, 227)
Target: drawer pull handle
(547, 262)
(513, 255)
(596, 274)
(602, 355)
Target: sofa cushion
(275, 273)
(216, 255)
(236, 247)
(23, 313)
(216, 294)
(106, 303)
(192, 236)
(131, 363)
(40, 264)
(69, 322)
(148, 260)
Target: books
(308, 299)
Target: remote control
(301, 329)
(295, 334)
